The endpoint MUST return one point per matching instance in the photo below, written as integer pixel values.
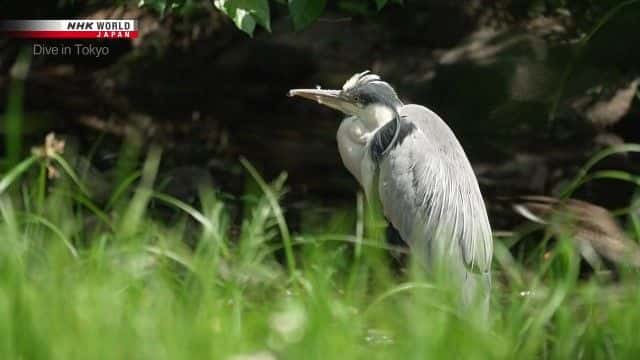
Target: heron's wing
(429, 192)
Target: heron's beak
(330, 98)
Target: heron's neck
(375, 116)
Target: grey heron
(409, 161)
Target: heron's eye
(356, 98)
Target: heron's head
(364, 95)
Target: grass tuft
(81, 279)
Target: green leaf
(161, 6)
(244, 21)
(355, 7)
(246, 13)
(305, 12)
(380, 4)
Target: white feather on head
(359, 78)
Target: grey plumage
(427, 178)
(429, 193)
(408, 159)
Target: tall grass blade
(123, 186)
(359, 224)
(95, 210)
(407, 287)
(634, 215)
(15, 173)
(584, 171)
(72, 174)
(613, 175)
(37, 219)
(277, 210)
(196, 215)
(14, 115)
(173, 256)
(133, 215)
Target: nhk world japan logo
(69, 29)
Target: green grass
(88, 281)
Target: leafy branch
(247, 14)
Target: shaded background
(531, 88)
